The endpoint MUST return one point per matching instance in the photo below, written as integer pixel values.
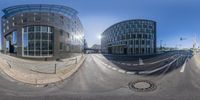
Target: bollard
(55, 69)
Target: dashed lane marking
(121, 71)
(114, 68)
(183, 67)
(130, 73)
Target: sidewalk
(197, 60)
(39, 72)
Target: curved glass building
(41, 31)
(131, 37)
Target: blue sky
(175, 18)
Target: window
(30, 29)
(139, 36)
(136, 42)
(143, 42)
(133, 36)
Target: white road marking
(134, 64)
(114, 68)
(183, 67)
(121, 71)
(128, 64)
(161, 60)
(130, 72)
(160, 68)
(109, 66)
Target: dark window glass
(143, 42)
(44, 53)
(44, 36)
(37, 45)
(142, 50)
(38, 36)
(31, 53)
(44, 45)
(37, 53)
(144, 36)
(132, 35)
(139, 36)
(50, 36)
(50, 52)
(31, 36)
(136, 42)
(137, 50)
(127, 36)
(31, 45)
(31, 29)
(25, 53)
(50, 45)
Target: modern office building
(41, 31)
(131, 37)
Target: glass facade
(67, 11)
(130, 37)
(41, 31)
(37, 41)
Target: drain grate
(142, 85)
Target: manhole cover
(142, 85)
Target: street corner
(36, 78)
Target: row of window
(129, 30)
(128, 36)
(37, 40)
(132, 42)
(132, 50)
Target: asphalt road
(95, 81)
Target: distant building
(131, 37)
(96, 46)
(41, 31)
